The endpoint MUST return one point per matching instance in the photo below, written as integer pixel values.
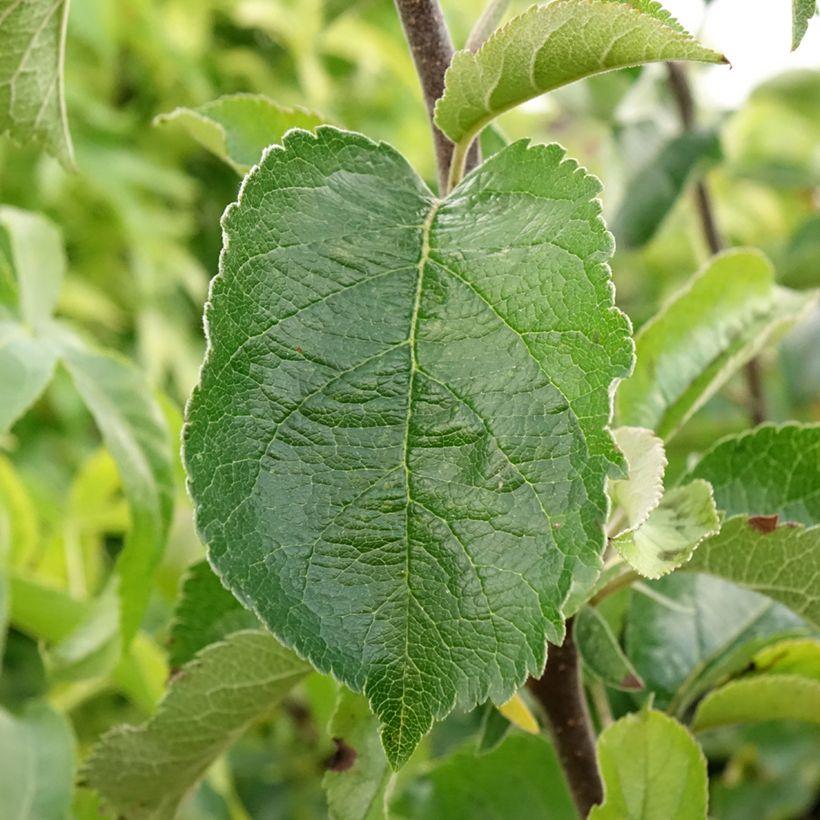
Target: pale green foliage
(800, 656)
(602, 655)
(549, 46)
(641, 491)
(802, 12)
(32, 44)
(37, 773)
(144, 772)
(666, 540)
(652, 769)
(237, 128)
(356, 785)
(722, 318)
(359, 476)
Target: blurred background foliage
(141, 225)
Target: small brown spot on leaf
(632, 682)
(763, 523)
(298, 349)
(343, 758)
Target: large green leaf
(206, 613)
(802, 12)
(237, 128)
(357, 778)
(549, 46)
(651, 194)
(402, 447)
(709, 329)
(32, 46)
(519, 780)
(37, 773)
(652, 769)
(145, 771)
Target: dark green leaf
(601, 652)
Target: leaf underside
(398, 446)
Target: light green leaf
(37, 775)
(519, 780)
(134, 431)
(549, 46)
(237, 128)
(32, 47)
(400, 450)
(206, 613)
(144, 772)
(761, 697)
(358, 775)
(667, 539)
(641, 491)
(651, 194)
(799, 656)
(722, 318)
(43, 611)
(652, 769)
(802, 12)
(19, 529)
(601, 653)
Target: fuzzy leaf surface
(145, 771)
(551, 45)
(802, 12)
(399, 443)
(32, 44)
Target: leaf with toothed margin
(549, 46)
(802, 12)
(399, 442)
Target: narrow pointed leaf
(32, 46)
(601, 653)
(652, 769)
(802, 12)
(549, 46)
(707, 331)
(398, 450)
(237, 128)
(145, 771)
(519, 714)
(798, 656)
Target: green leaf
(762, 697)
(37, 775)
(519, 780)
(720, 320)
(772, 470)
(237, 128)
(358, 775)
(549, 46)
(667, 539)
(652, 769)
(641, 491)
(399, 451)
(32, 47)
(134, 432)
(651, 194)
(493, 730)
(802, 12)
(695, 630)
(799, 656)
(206, 613)
(601, 653)
(145, 771)
(778, 561)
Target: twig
(432, 49)
(682, 92)
(561, 695)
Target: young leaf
(802, 12)
(146, 771)
(398, 450)
(761, 697)
(358, 775)
(519, 780)
(709, 329)
(641, 491)
(206, 613)
(32, 47)
(601, 652)
(237, 128)
(134, 432)
(797, 656)
(652, 769)
(37, 775)
(651, 194)
(667, 539)
(549, 46)
(519, 714)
